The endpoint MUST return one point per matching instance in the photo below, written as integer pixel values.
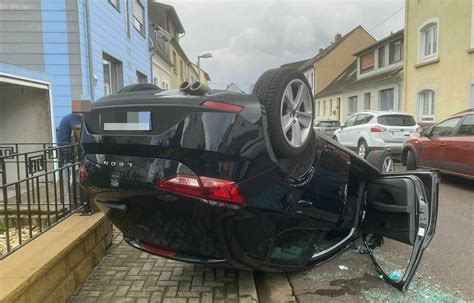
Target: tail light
(377, 129)
(222, 105)
(204, 187)
(158, 251)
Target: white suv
(372, 130)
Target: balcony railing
(38, 189)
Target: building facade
(330, 62)
(87, 48)
(374, 81)
(439, 58)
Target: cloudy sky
(248, 37)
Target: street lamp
(204, 56)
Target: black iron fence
(38, 189)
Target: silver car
(326, 127)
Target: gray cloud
(247, 38)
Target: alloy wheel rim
(387, 166)
(296, 113)
(362, 150)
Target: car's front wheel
(286, 95)
(410, 160)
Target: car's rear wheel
(410, 160)
(382, 159)
(334, 138)
(362, 149)
(286, 95)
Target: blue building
(86, 48)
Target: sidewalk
(128, 275)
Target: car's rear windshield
(396, 120)
(327, 123)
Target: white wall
(24, 115)
(374, 90)
(162, 71)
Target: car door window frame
(351, 117)
(453, 131)
(458, 127)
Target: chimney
(321, 50)
(337, 37)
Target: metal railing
(38, 189)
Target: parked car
(326, 127)
(447, 146)
(375, 130)
(209, 176)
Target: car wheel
(362, 149)
(288, 101)
(335, 138)
(411, 160)
(382, 159)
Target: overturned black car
(211, 176)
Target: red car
(447, 146)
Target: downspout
(89, 51)
(396, 79)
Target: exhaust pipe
(199, 89)
(185, 87)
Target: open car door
(400, 222)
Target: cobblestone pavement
(128, 275)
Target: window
(396, 52)
(386, 99)
(444, 128)
(141, 78)
(324, 108)
(428, 47)
(113, 75)
(427, 105)
(181, 68)
(367, 101)
(467, 126)
(361, 118)
(352, 105)
(381, 54)
(165, 85)
(319, 108)
(139, 16)
(396, 120)
(116, 4)
(350, 121)
(175, 63)
(156, 81)
(330, 107)
(367, 62)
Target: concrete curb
(247, 288)
(274, 287)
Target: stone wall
(51, 267)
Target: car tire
(411, 160)
(335, 138)
(138, 87)
(382, 160)
(290, 122)
(362, 149)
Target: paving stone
(126, 274)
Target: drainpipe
(396, 79)
(89, 51)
